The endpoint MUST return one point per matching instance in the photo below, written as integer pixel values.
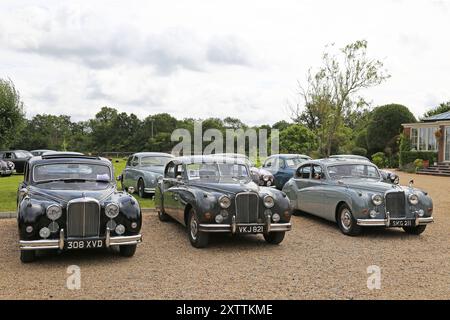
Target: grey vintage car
(142, 172)
(353, 194)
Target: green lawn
(9, 185)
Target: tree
(385, 126)
(443, 107)
(297, 139)
(11, 113)
(331, 94)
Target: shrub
(418, 163)
(379, 159)
(407, 157)
(359, 151)
(409, 168)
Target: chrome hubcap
(346, 219)
(194, 228)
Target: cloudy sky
(213, 58)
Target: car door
(177, 188)
(168, 183)
(302, 180)
(315, 193)
(125, 172)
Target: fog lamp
(54, 227)
(134, 225)
(373, 213)
(276, 217)
(224, 213)
(421, 213)
(120, 229)
(29, 229)
(219, 218)
(44, 232)
(111, 225)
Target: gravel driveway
(314, 262)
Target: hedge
(409, 156)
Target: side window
(282, 163)
(179, 170)
(317, 172)
(304, 172)
(8, 155)
(170, 171)
(129, 161)
(268, 163)
(26, 173)
(135, 162)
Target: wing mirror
(23, 192)
(411, 183)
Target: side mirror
(23, 192)
(411, 183)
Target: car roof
(349, 156)
(337, 161)
(291, 155)
(205, 159)
(155, 154)
(67, 157)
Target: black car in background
(40, 152)
(70, 202)
(6, 168)
(18, 157)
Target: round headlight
(54, 211)
(276, 217)
(266, 178)
(268, 201)
(120, 229)
(269, 183)
(219, 218)
(377, 199)
(112, 210)
(44, 232)
(413, 199)
(225, 202)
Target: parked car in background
(352, 193)
(40, 152)
(260, 176)
(6, 168)
(207, 196)
(283, 166)
(69, 202)
(388, 176)
(18, 157)
(142, 171)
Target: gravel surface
(315, 261)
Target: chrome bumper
(233, 227)
(149, 190)
(387, 222)
(6, 172)
(59, 243)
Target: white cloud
(212, 58)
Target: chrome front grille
(247, 207)
(395, 204)
(83, 218)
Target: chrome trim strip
(384, 222)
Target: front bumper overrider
(45, 244)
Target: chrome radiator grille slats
(247, 207)
(83, 218)
(395, 204)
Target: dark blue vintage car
(70, 201)
(208, 195)
(283, 166)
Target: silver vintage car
(352, 193)
(142, 172)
